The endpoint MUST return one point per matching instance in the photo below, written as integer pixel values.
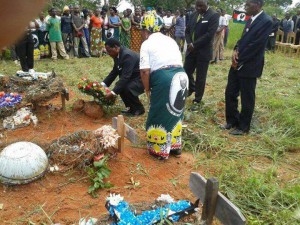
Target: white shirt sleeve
(144, 56)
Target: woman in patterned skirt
(136, 38)
(125, 32)
(164, 77)
(96, 34)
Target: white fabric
(123, 5)
(159, 51)
(257, 15)
(168, 21)
(42, 24)
(222, 21)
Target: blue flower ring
(10, 100)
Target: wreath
(96, 90)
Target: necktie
(199, 17)
(248, 24)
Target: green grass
(258, 172)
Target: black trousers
(297, 41)
(130, 98)
(194, 62)
(245, 87)
(271, 43)
(24, 51)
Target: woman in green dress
(125, 35)
(166, 84)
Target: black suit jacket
(127, 67)
(251, 46)
(203, 32)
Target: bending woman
(162, 76)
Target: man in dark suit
(129, 86)
(181, 94)
(247, 66)
(296, 20)
(272, 36)
(200, 33)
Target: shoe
(176, 153)
(138, 112)
(126, 111)
(227, 126)
(190, 93)
(195, 107)
(238, 132)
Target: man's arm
(212, 28)
(188, 31)
(255, 45)
(127, 71)
(111, 76)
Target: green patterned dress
(125, 37)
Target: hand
(235, 57)
(109, 96)
(190, 47)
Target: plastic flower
(114, 199)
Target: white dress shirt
(159, 51)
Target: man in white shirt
(218, 45)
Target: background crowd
(82, 33)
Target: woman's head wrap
(152, 22)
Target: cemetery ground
(259, 172)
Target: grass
(258, 172)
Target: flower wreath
(9, 99)
(96, 90)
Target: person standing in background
(180, 29)
(55, 37)
(125, 35)
(136, 38)
(296, 20)
(67, 30)
(226, 30)
(42, 32)
(96, 23)
(287, 25)
(168, 24)
(114, 23)
(218, 45)
(199, 35)
(78, 33)
(272, 36)
(87, 14)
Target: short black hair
(260, 2)
(112, 43)
(114, 9)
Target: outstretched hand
(109, 96)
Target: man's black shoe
(238, 132)
(227, 126)
(138, 112)
(126, 111)
(176, 153)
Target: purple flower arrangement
(9, 99)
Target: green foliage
(97, 174)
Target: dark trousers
(226, 36)
(130, 98)
(297, 41)
(24, 51)
(245, 87)
(193, 62)
(271, 43)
